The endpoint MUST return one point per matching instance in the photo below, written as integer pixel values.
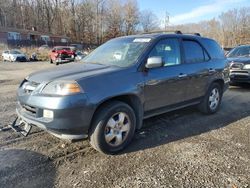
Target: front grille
(21, 59)
(237, 66)
(246, 72)
(241, 77)
(29, 110)
(64, 56)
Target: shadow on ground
(21, 168)
(189, 122)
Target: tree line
(230, 29)
(96, 21)
(87, 21)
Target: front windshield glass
(121, 52)
(242, 51)
(15, 52)
(63, 48)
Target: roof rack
(162, 31)
(171, 31)
(197, 34)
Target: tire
(51, 61)
(213, 95)
(106, 134)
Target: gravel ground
(179, 149)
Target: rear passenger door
(196, 60)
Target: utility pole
(166, 21)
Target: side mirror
(154, 62)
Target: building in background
(20, 37)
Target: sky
(190, 11)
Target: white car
(79, 56)
(13, 55)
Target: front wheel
(113, 128)
(212, 100)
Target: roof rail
(197, 34)
(162, 31)
(171, 31)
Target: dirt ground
(179, 149)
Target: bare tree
(149, 21)
(131, 16)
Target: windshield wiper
(247, 55)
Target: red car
(62, 54)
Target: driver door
(165, 85)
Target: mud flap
(21, 127)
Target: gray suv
(239, 59)
(122, 82)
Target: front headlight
(247, 66)
(61, 88)
(13, 58)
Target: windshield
(63, 48)
(15, 52)
(121, 52)
(242, 51)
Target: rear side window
(194, 53)
(213, 48)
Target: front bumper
(71, 114)
(21, 59)
(239, 76)
(65, 59)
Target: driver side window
(168, 50)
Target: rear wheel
(113, 128)
(212, 100)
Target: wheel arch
(219, 81)
(132, 100)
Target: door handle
(182, 75)
(153, 82)
(211, 70)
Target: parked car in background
(79, 55)
(239, 59)
(107, 97)
(62, 54)
(14, 56)
(77, 46)
(227, 50)
(43, 47)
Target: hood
(244, 60)
(65, 52)
(70, 72)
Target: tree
(131, 16)
(149, 21)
